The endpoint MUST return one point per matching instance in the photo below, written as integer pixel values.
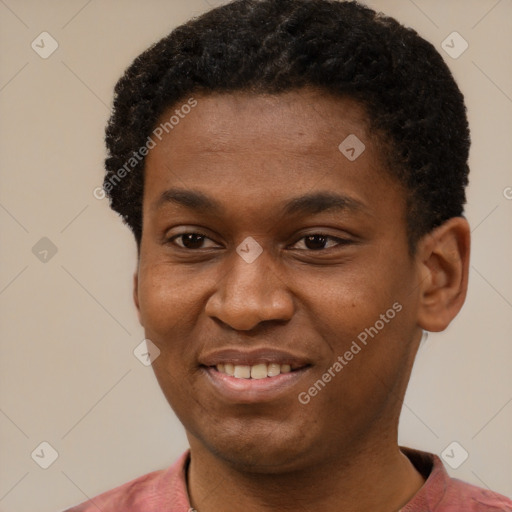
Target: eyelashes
(315, 242)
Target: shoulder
(443, 493)
(127, 496)
(161, 489)
(473, 498)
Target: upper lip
(252, 357)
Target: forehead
(264, 148)
(309, 119)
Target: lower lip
(253, 390)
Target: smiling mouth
(255, 371)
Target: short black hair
(344, 48)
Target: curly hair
(273, 46)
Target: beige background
(68, 326)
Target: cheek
(168, 307)
(369, 304)
(370, 351)
(347, 299)
(167, 300)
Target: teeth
(256, 371)
(242, 372)
(273, 369)
(259, 371)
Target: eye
(319, 241)
(190, 240)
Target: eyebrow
(191, 199)
(309, 204)
(318, 202)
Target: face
(267, 251)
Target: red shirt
(166, 491)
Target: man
(294, 174)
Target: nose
(249, 294)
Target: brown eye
(318, 242)
(315, 242)
(189, 240)
(192, 240)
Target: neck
(381, 479)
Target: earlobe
(136, 295)
(443, 257)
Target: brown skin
(251, 154)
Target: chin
(263, 460)
(260, 450)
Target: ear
(136, 295)
(443, 258)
